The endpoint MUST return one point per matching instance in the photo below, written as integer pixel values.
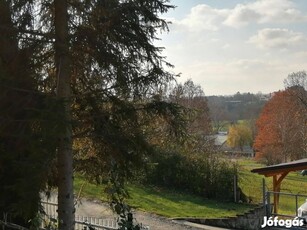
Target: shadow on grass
(165, 202)
(175, 204)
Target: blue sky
(228, 46)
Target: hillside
(236, 107)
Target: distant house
(265, 97)
(220, 140)
(220, 143)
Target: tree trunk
(66, 210)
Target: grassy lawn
(174, 204)
(294, 183)
(251, 183)
(165, 202)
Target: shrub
(205, 175)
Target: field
(177, 204)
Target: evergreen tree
(97, 60)
(26, 124)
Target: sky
(230, 46)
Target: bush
(269, 157)
(208, 176)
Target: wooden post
(277, 179)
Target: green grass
(294, 183)
(165, 202)
(251, 183)
(226, 125)
(87, 189)
(176, 204)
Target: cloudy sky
(228, 46)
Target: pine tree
(97, 62)
(26, 125)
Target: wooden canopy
(279, 172)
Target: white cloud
(202, 17)
(264, 11)
(244, 75)
(241, 16)
(226, 46)
(277, 38)
(203, 45)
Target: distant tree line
(240, 106)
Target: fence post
(268, 204)
(296, 205)
(263, 192)
(266, 199)
(235, 187)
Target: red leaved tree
(281, 129)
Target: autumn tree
(191, 96)
(279, 129)
(218, 115)
(298, 81)
(240, 135)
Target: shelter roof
(282, 168)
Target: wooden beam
(277, 179)
(272, 172)
(275, 174)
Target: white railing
(50, 208)
(95, 223)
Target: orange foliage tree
(281, 129)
